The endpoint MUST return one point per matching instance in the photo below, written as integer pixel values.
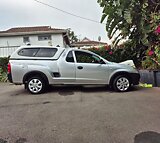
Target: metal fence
(7, 50)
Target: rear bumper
(135, 77)
(10, 77)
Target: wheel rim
(35, 85)
(123, 84)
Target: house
(41, 35)
(87, 43)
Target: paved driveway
(79, 115)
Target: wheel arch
(118, 74)
(28, 75)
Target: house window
(44, 37)
(26, 39)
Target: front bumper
(135, 77)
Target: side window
(83, 57)
(38, 52)
(69, 57)
(46, 52)
(30, 52)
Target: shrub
(3, 69)
(3, 63)
(127, 51)
(104, 51)
(118, 54)
(3, 75)
(152, 59)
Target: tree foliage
(72, 37)
(135, 20)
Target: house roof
(18, 31)
(30, 29)
(24, 31)
(87, 42)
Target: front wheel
(121, 83)
(35, 85)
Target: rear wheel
(35, 85)
(121, 83)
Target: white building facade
(11, 39)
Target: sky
(19, 13)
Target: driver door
(89, 70)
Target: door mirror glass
(101, 61)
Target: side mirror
(101, 62)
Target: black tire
(121, 83)
(36, 85)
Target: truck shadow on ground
(65, 90)
(69, 90)
(147, 137)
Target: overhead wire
(69, 13)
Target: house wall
(9, 44)
(11, 41)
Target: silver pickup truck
(39, 66)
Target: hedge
(3, 63)
(119, 54)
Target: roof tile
(30, 29)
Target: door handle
(80, 67)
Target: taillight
(9, 68)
